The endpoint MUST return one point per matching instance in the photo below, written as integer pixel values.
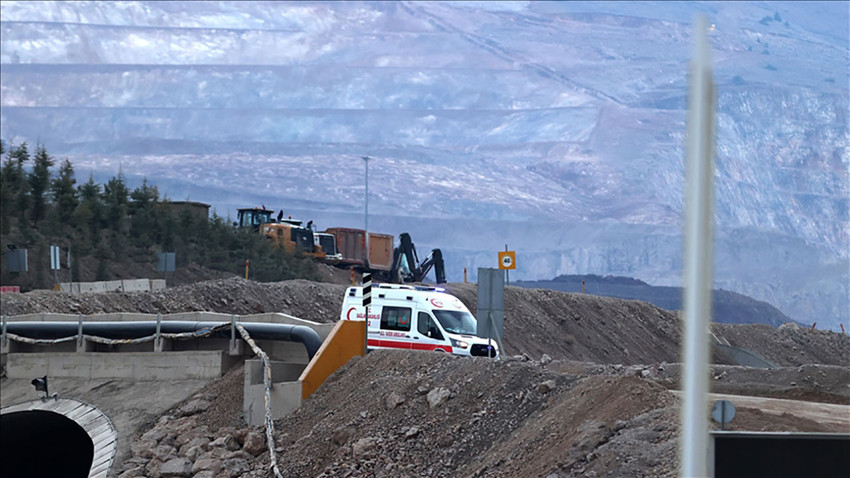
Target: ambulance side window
(396, 318)
(425, 324)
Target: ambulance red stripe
(444, 348)
(393, 344)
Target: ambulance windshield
(456, 322)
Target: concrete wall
(281, 371)
(124, 285)
(133, 365)
(192, 359)
(293, 352)
(285, 391)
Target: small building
(198, 209)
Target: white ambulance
(417, 318)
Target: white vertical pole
(699, 259)
(366, 160)
(367, 304)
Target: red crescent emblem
(436, 303)
(348, 315)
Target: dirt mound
(788, 344)
(582, 327)
(567, 326)
(423, 414)
(407, 413)
(309, 300)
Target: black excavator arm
(406, 266)
(435, 260)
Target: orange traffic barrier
(344, 342)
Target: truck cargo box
(351, 244)
(381, 251)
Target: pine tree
(15, 181)
(22, 155)
(115, 198)
(166, 231)
(63, 193)
(39, 182)
(103, 255)
(88, 216)
(7, 174)
(143, 214)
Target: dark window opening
(396, 318)
(428, 327)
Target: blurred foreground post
(699, 258)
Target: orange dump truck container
(351, 244)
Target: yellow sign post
(507, 260)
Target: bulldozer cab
(290, 237)
(253, 217)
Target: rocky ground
(585, 390)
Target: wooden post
(507, 274)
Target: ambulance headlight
(460, 343)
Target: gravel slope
(583, 390)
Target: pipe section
(134, 329)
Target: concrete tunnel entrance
(45, 444)
(56, 437)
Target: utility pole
(698, 254)
(366, 160)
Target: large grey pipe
(134, 329)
